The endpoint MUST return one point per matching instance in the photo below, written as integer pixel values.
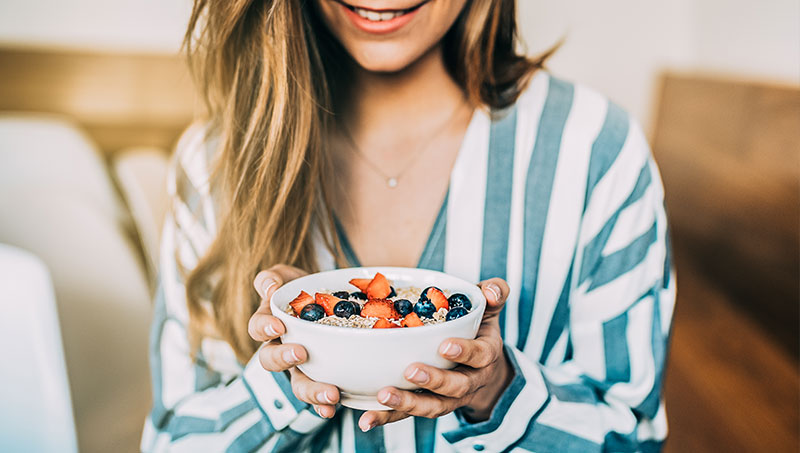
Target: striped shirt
(560, 196)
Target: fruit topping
(403, 306)
(384, 323)
(361, 283)
(424, 293)
(456, 313)
(411, 320)
(424, 308)
(344, 309)
(436, 296)
(460, 300)
(312, 312)
(359, 295)
(392, 292)
(301, 301)
(356, 308)
(342, 295)
(380, 308)
(326, 301)
(379, 287)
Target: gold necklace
(393, 180)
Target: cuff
(272, 391)
(521, 402)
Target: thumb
(495, 290)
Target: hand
(475, 384)
(275, 356)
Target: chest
(388, 198)
(391, 225)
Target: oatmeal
(378, 304)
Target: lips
(354, 8)
(380, 21)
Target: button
(278, 404)
(478, 447)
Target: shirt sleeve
(197, 407)
(606, 394)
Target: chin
(384, 58)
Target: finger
(323, 396)
(455, 383)
(496, 292)
(478, 353)
(324, 410)
(371, 419)
(280, 357)
(266, 282)
(420, 404)
(265, 327)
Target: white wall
(621, 46)
(759, 39)
(107, 25)
(616, 46)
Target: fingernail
(388, 398)
(364, 426)
(323, 396)
(268, 283)
(418, 376)
(451, 350)
(270, 331)
(290, 356)
(495, 291)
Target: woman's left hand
(475, 384)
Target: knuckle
(300, 391)
(266, 360)
(460, 392)
(437, 379)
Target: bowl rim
(479, 307)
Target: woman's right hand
(275, 356)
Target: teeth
(378, 16)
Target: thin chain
(392, 181)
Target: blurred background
(93, 97)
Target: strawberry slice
(438, 299)
(378, 288)
(384, 323)
(411, 320)
(361, 283)
(301, 301)
(326, 301)
(380, 308)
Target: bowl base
(362, 402)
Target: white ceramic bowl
(362, 361)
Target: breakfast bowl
(361, 361)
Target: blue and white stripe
(560, 196)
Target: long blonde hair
(272, 77)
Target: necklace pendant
(391, 182)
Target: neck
(386, 105)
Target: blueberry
(424, 308)
(344, 309)
(424, 294)
(312, 312)
(342, 295)
(356, 308)
(460, 300)
(403, 306)
(392, 293)
(358, 295)
(455, 313)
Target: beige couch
(95, 226)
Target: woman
(411, 133)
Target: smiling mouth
(381, 15)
